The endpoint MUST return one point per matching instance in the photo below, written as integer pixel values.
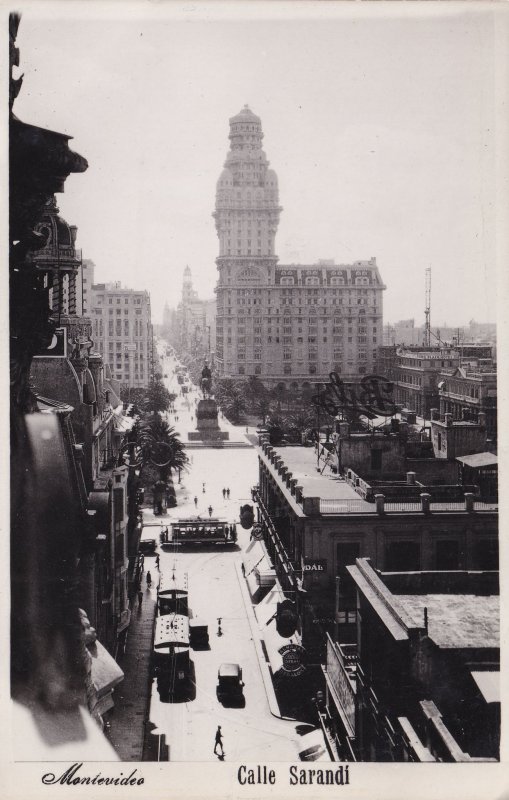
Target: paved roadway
(250, 733)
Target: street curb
(255, 632)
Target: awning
(479, 460)
(489, 684)
(121, 422)
(106, 673)
(253, 556)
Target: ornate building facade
(289, 324)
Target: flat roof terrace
(311, 491)
(456, 621)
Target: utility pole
(427, 309)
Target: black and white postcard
(257, 322)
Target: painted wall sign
(315, 565)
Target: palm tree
(161, 445)
(230, 395)
(300, 423)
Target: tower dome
(245, 115)
(60, 239)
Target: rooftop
(479, 460)
(456, 621)
(324, 492)
(302, 463)
(462, 620)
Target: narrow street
(251, 732)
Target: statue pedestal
(207, 426)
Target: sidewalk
(132, 696)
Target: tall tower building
(291, 325)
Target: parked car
(147, 546)
(230, 685)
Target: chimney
(379, 503)
(425, 502)
(73, 229)
(410, 478)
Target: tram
(199, 531)
(173, 592)
(171, 653)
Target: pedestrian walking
(228, 494)
(218, 741)
(149, 579)
(196, 502)
(224, 493)
(157, 561)
(243, 569)
(203, 488)
(140, 598)
(210, 511)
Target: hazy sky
(380, 129)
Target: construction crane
(427, 309)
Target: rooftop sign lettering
(374, 395)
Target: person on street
(210, 511)
(140, 599)
(228, 494)
(149, 579)
(196, 502)
(224, 493)
(157, 561)
(218, 741)
(203, 488)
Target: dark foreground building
(424, 683)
